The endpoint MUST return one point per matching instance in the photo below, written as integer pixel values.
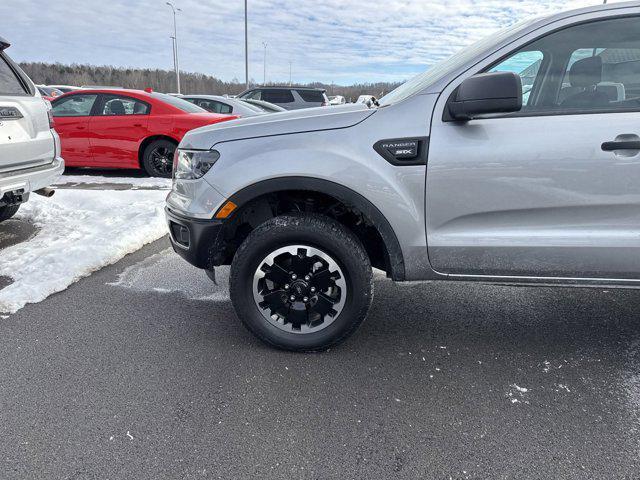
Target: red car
(125, 128)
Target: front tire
(8, 211)
(157, 158)
(301, 282)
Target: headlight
(192, 164)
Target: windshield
(457, 60)
(178, 103)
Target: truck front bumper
(198, 241)
(28, 180)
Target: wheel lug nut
(292, 297)
(313, 289)
(307, 278)
(293, 276)
(286, 287)
(305, 299)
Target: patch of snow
(80, 232)
(142, 182)
(518, 394)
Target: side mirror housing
(484, 94)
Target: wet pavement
(143, 371)
(116, 173)
(12, 232)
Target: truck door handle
(621, 145)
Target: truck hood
(281, 123)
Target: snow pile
(81, 231)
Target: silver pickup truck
(515, 161)
(29, 146)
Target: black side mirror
(483, 94)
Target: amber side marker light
(226, 210)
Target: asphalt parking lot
(143, 371)
(13, 232)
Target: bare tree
(164, 80)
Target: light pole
(173, 45)
(176, 64)
(246, 46)
(290, 74)
(264, 44)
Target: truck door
(552, 190)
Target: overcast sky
(341, 41)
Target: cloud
(341, 41)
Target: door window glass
(591, 67)
(314, 96)
(213, 106)
(118, 106)
(9, 82)
(527, 66)
(277, 96)
(253, 95)
(74, 106)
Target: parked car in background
(289, 98)
(49, 93)
(459, 174)
(65, 88)
(126, 128)
(366, 99)
(29, 146)
(226, 105)
(101, 87)
(337, 100)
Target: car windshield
(457, 60)
(178, 103)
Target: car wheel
(7, 212)
(157, 158)
(301, 282)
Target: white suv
(29, 146)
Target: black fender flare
(340, 192)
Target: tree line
(164, 80)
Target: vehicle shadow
(485, 318)
(105, 172)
